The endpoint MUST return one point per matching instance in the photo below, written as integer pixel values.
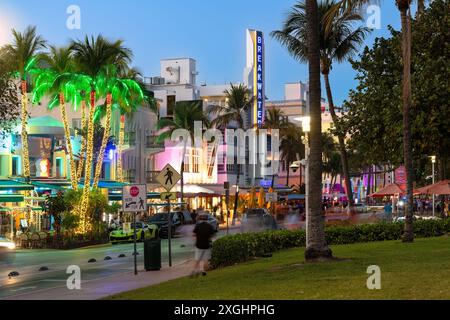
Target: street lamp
(433, 162)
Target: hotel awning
(45, 125)
(11, 198)
(8, 184)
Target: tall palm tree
(404, 6)
(337, 43)
(240, 100)
(123, 91)
(316, 245)
(186, 113)
(58, 80)
(22, 56)
(92, 55)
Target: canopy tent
(13, 185)
(440, 188)
(389, 190)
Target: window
(187, 162)
(76, 123)
(195, 161)
(171, 101)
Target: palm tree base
(408, 238)
(314, 255)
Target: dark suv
(161, 220)
(255, 220)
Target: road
(28, 263)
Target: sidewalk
(101, 288)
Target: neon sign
(259, 79)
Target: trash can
(152, 254)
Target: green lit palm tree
(91, 56)
(186, 113)
(337, 43)
(22, 56)
(58, 80)
(127, 93)
(234, 113)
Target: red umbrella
(442, 187)
(389, 190)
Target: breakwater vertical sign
(258, 74)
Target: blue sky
(212, 32)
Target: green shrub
(243, 247)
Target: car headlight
(8, 245)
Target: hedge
(243, 247)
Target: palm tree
(186, 113)
(22, 56)
(58, 80)
(337, 43)
(92, 55)
(240, 100)
(148, 101)
(124, 92)
(291, 147)
(404, 6)
(316, 246)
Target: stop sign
(134, 191)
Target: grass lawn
(420, 270)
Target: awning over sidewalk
(13, 185)
(11, 198)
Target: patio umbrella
(261, 198)
(270, 203)
(389, 190)
(440, 188)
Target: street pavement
(98, 279)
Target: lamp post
(433, 162)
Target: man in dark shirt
(203, 232)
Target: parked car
(161, 220)
(255, 220)
(210, 219)
(143, 231)
(187, 217)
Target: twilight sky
(210, 31)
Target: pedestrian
(203, 232)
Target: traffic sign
(272, 197)
(168, 196)
(134, 198)
(168, 177)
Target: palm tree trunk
(404, 7)
(420, 7)
(342, 149)
(87, 174)
(236, 198)
(24, 133)
(106, 133)
(83, 141)
(287, 175)
(73, 170)
(316, 246)
(120, 149)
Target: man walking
(203, 232)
